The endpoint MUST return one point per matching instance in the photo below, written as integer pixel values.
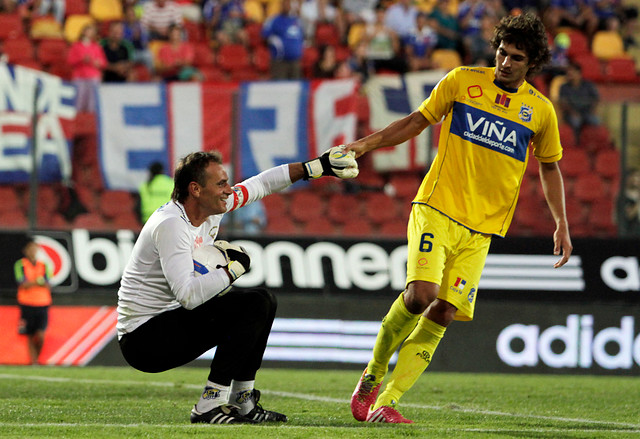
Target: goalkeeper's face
(212, 196)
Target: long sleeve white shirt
(159, 276)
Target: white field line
(304, 427)
(307, 397)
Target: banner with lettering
(21, 89)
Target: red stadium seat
(233, 57)
(595, 138)
(10, 26)
(115, 203)
(275, 205)
(579, 44)
(306, 205)
(10, 201)
(261, 58)
(320, 226)
(591, 67)
(213, 74)
(394, 229)
(607, 164)
(127, 220)
(19, 49)
(326, 34)
(589, 188)
(575, 162)
(14, 219)
(380, 208)
(342, 208)
(51, 51)
(78, 7)
(601, 218)
(621, 70)
(282, 225)
(310, 55)
(90, 221)
(567, 135)
(405, 184)
(254, 34)
(203, 55)
(357, 227)
(195, 32)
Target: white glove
(239, 260)
(334, 163)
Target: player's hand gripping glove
(239, 260)
(334, 162)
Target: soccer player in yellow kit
(491, 117)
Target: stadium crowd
(88, 41)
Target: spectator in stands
(326, 65)
(400, 17)
(34, 298)
(225, 21)
(37, 8)
(420, 43)
(629, 222)
(119, 54)
(359, 64)
(138, 36)
(577, 14)
(250, 220)
(154, 192)
(313, 12)
(578, 100)
(383, 45)
(87, 61)
(480, 51)
(285, 38)
(358, 11)
(446, 26)
(175, 59)
(158, 16)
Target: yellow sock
(414, 357)
(396, 326)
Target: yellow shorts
(446, 253)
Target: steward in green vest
(154, 192)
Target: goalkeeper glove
(239, 260)
(334, 162)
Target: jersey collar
(507, 89)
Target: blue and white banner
(55, 104)
(392, 97)
(276, 123)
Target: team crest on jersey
(525, 113)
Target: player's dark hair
(192, 168)
(527, 33)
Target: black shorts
(33, 319)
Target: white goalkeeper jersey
(159, 276)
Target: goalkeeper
(168, 317)
(491, 116)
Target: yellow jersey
(483, 149)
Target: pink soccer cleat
(364, 396)
(388, 415)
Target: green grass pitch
(113, 402)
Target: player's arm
(393, 134)
(333, 162)
(553, 187)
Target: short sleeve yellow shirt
(484, 146)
